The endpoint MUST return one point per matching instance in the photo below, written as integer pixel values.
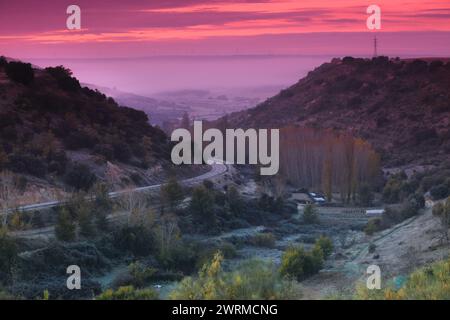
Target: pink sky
(110, 28)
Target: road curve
(217, 169)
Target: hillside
(401, 107)
(53, 130)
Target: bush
(372, 226)
(135, 239)
(202, 206)
(429, 283)
(20, 72)
(326, 245)
(8, 256)
(440, 191)
(365, 195)
(128, 293)
(266, 240)
(172, 193)
(299, 264)
(65, 227)
(310, 214)
(251, 280)
(80, 177)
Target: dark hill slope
(401, 107)
(45, 116)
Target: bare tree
(9, 194)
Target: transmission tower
(375, 47)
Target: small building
(301, 198)
(375, 212)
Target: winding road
(217, 169)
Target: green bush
(326, 245)
(372, 226)
(202, 206)
(310, 214)
(263, 240)
(172, 193)
(80, 177)
(65, 228)
(137, 240)
(8, 255)
(251, 280)
(440, 191)
(428, 283)
(300, 264)
(128, 293)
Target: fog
(147, 76)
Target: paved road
(217, 169)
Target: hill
(401, 107)
(53, 129)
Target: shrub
(326, 245)
(80, 177)
(372, 226)
(440, 191)
(8, 255)
(365, 195)
(129, 293)
(310, 214)
(428, 283)
(299, 264)
(202, 206)
(20, 72)
(65, 227)
(172, 193)
(135, 239)
(251, 280)
(263, 240)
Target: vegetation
(299, 264)
(442, 211)
(171, 193)
(81, 119)
(20, 72)
(310, 214)
(8, 256)
(266, 240)
(252, 280)
(128, 293)
(65, 229)
(428, 283)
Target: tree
(310, 214)
(365, 195)
(172, 193)
(185, 121)
(251, 280)
(234, 200)
(85, 222)
(202, 205)
(20, 72)
(65, 227)
(102, 205)
(168, 234)
(442, 210)
(8, 255)
(9, 193)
